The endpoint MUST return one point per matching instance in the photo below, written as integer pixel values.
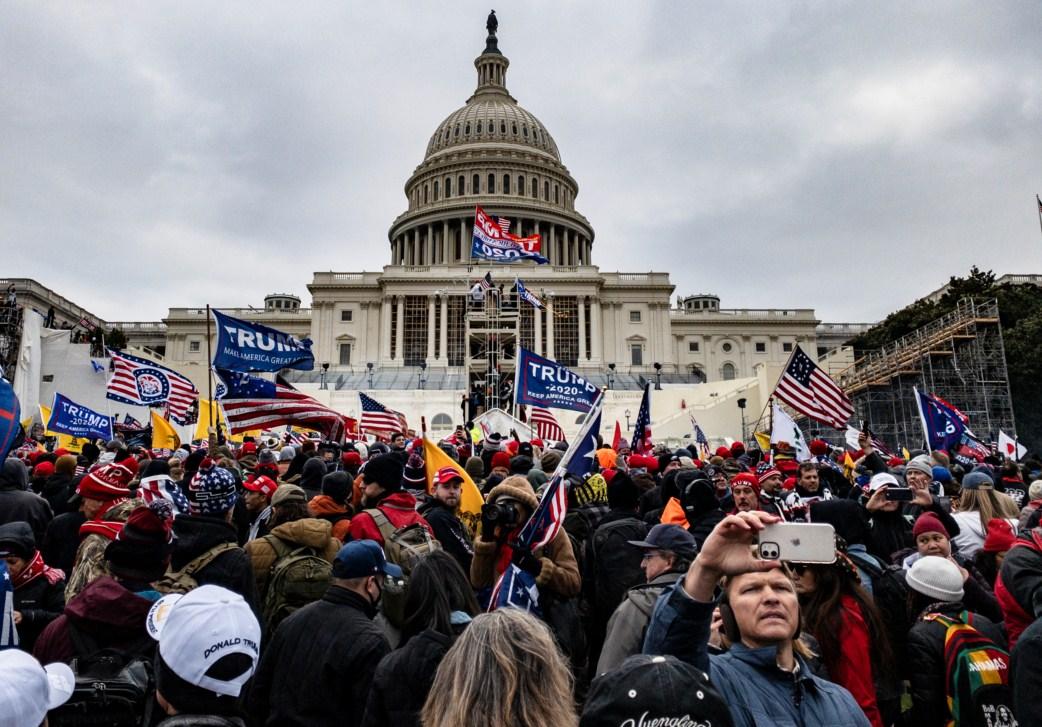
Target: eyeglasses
(649, 554)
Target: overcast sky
(845, 156)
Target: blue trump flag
(68, 417)
(942, 425)
(246, 346)
(541, 382)
(11, 434)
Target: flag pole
(209, 367)
(1039, 201)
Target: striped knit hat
(212, 490)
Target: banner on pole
(246, 346)
(68, 417)
(542, 382)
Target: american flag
(544, 424)
(641, 443)
(256, 403)
(131, 422)
(810, 391)
(700, 437)
(486, 282)
(145, 383)
(163, 487)
(378, 418)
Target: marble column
(596, 352)
(444, 342)
(582, 329)
(431, 330)
(385, 329)
(552, 252)
(550, 328)
(430, 244)
(446, 256)
(400, 337)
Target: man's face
(283, 468)
(448, 495)
(765, 607)
(745, 498)
(671, 465)
(91, 507)
(398, 442)
(809, 480)
(254, 501)
(655, 563)
(933, 544)
(918, 480)
(720, 483)
(772, 484)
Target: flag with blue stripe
(11, 433)
(516, 589)
(526, 295)
(8, 631)
(641, 443)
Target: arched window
(491, 184)
(521, 185)
(446, 133)
(456, 132)
(502, 127)
(441, 421)
(479, 127)
(524, 130)
(535, 188)
(448, 187)
(546, 191)
(425, 194)
(728, 371)
(475, 185)
(466, 129)
(435, 190)
(557, 194)
(506, 184)
(459, 185)
(513, 127)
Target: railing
(124, 326)
(250, 312)
(794, 313)
(29, 286)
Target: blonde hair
(505, 670)
(988, 504)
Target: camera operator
(507, 509)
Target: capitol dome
(495, 154)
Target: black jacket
(925, 659)
(317, 668)
(1026, 675)
(26, 506)
(40, 602)
(702, 525)
(449, 531)
(403, 680)
(195, 535)
(57, 490)
(61, 540)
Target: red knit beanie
(500, 459)
(819, 447)
(1000, 536)
(108, 482)
(44, 469)
(737, 449)
(928, 523)
(747, 479)
(723, 452)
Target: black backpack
(114, 687)
(614, 563)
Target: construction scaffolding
(492, 337)
(959, 357)
(10, 337)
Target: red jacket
(853, 669)
(105, 611)
(400, 509)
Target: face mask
(379, 595)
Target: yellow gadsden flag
(201, 427)
(470, 501)
(764, 440)
(163, 435)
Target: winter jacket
(318, 667)
(57, 490)
(971, 532)
(196, 534)
(19, 504)
(1019, 585)
(400, 510)
(325, 507)
(40, 601)
(449, 531)
(105, 611)
(90, 555)
(702, 525)
(560, 573)
(925, 658)
(757, 691)
(977, 594)
(852, 667)
(627, 625)
(413, 664)
(1026, 675)
(61, 540)
(308, 532)
(892, 531)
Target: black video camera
(501, 513)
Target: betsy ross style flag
(378, 418)
(256, 403)
(544, 424)
(810, 391)
(641, 443)
(142, 382)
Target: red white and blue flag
(163, 487)
(810, 391)
(142, 382)
(641, 443)
(256, 403)
(544, 424)
(492, 242)
(378, 418)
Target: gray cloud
(842, 156)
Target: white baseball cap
(28, 691)
(197, 629)
(882, 478)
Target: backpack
(113, 687)
(404, 547)
(614, 564)
(976, 673)
(297, 577)
(183, 581)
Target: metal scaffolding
(959, 357)
(492, 336)
(10, 338)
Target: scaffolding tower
(10, 337)
(493, 327)
(959, 357)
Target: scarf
(107, 529)
(35, 569)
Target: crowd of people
(278, 583)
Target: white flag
(785, 430)
(1010, 447)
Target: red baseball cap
(261, 483)
(446, 475)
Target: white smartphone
(798, 542)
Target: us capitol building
(413, 329)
